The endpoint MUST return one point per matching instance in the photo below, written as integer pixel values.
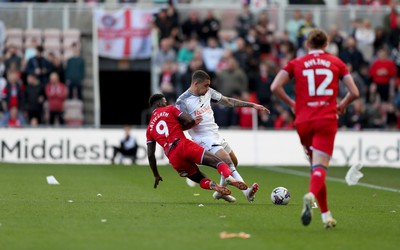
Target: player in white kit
(197, 102)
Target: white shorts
(214, 144)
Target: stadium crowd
(244, 61)
(37, 89)
(40, 85)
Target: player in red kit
(316, 76)
(166, 128)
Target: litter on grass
(354, 174)
(226, 235)
(52, 180)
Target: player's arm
(280, 80)
(187, 120)
(151, 150)
(235, 103)
(351, 95)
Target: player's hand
(157, 180)
(198, 119)
(340, 109)
(261, 108)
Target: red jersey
(316, 78)
(164, 127)
(381, 71)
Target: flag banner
(124, 34)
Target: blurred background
(242, 44)
(93, 64)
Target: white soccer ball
(280, 196)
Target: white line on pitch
(300, 173)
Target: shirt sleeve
(215, 95)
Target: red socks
(205, 183)
(318, 187)
(223, 169)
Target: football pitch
(116, 207)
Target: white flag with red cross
(124, 34)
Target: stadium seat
(71, 36)
(14, 33)
(52, 36)
(15, 36)
(31, 34)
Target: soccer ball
(280, 196)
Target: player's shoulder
(184, 97)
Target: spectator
(176, 39)
(240, 54)
(34, 99)
(56, 65)
(389, 20)
(265, 31)
(128, 146)
(252, 40)
(231, 80)
(186, 78)
(380, 39)
(168, 81)
(12, 59)
(350, 54)
(245, 114)
(394, 34)
(365, 37)
(332, 47)
(244, 21)
(293, 25)
(30, 50)
(13, 92)
(262, 82)
(304, 29)
(56, 94)
(211, 55)
(39, 66)
(166, 53)
(395, 56)
(73, 108)
(173, 14)
(383, 72)
(336, 37)
(210, 26)
(285, 120)
(191, 27)
(163, 24)
(355, 117)
(13, 119)
(75, 71)
(186, 53)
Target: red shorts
(185, 156)
(318, 135)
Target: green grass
(36, 215)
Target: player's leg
(323, 142)
(116, 150)
(250, 193)
(206, 183)
(212, 160)
(214, 144)
(304, 131)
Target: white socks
(326, 216)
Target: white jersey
(206, 132)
